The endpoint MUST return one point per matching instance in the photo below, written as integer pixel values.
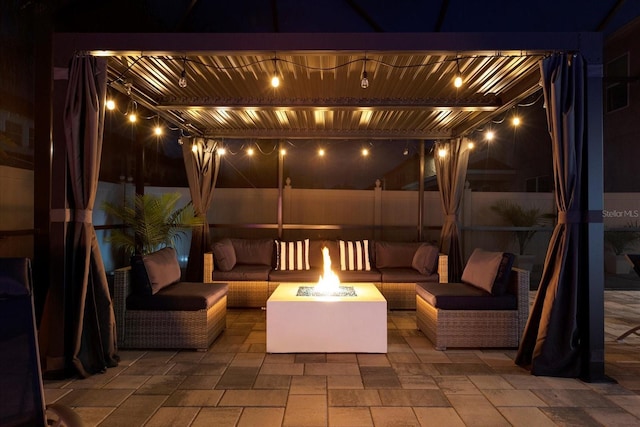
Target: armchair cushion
(462, 296)
(482, 269)
(155, 271)
(224, 254)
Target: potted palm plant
(151, 222)
(618, 242)
(517, 215)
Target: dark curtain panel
(202, 164)
(551, 340)
(89, 332)
(451, 160)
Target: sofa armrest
(207, 272)
(443, 268)
(121, 290)
(522, 279)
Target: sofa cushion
(253, 251)
(462, 296)
(292, 255)
(154, 271)
(482, 269)
(362, 276)
(395, 254)
(311, 275)
(243, 272)
(354, 255)
(223, 254)
(425, 260)
(181, 296)
(406, 275)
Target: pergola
(410, 96)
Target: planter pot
(616, 264)
(525, 261)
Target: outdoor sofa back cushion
(224, 254)
(395, 254)
(501, 284)
(482, 269)
(253, 251)
(425, 260)
(155, 271)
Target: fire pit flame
(328, 282)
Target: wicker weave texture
(476, 328)
(399, 296)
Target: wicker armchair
(477, 328)
(164, 328)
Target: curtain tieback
(577, 217)
(451, 217)
(83, 215)
(79, 215)
(570, 217)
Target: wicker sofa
(253, 268)
(154, 309)
(488, 309)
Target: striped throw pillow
(354, 255)
(293, 255)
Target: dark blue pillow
(501, 284)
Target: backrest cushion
(482, 269)
(253, 251)
(425, 260)
(155, 271)
(354, 255)
(224, 254)
(292, 255)
(395, 254)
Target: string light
(516, 121)
(111, 104)
(365, 152)
(194, 148)
(275, 80)
(157, 130)
(364, 83)
(182, 82)
(471, 145)
(457, 82)
(321, 152)
(250, 151)
(221, 151)
(283, 152)
(442, 152)
(489, 135)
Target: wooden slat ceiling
(410, 96)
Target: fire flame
(328, 282)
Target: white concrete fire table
(327, 324)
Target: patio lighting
(489, 135)
(182, 82)
(516, 121)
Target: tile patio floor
(235, 383)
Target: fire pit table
(351, 319)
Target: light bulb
(133, 117)
(364, 83)
(111, 104)
(365, 152)
(158, 130)
(470, 145)
(194, 148)
(442, 152)
(275, 81)
(180, 140)
(221, 151)
(182, 82)
(250, 151)
(321, 152)
(283, 152)
(405, 152)
(489, 135)
(516, 121)
(457, 82)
